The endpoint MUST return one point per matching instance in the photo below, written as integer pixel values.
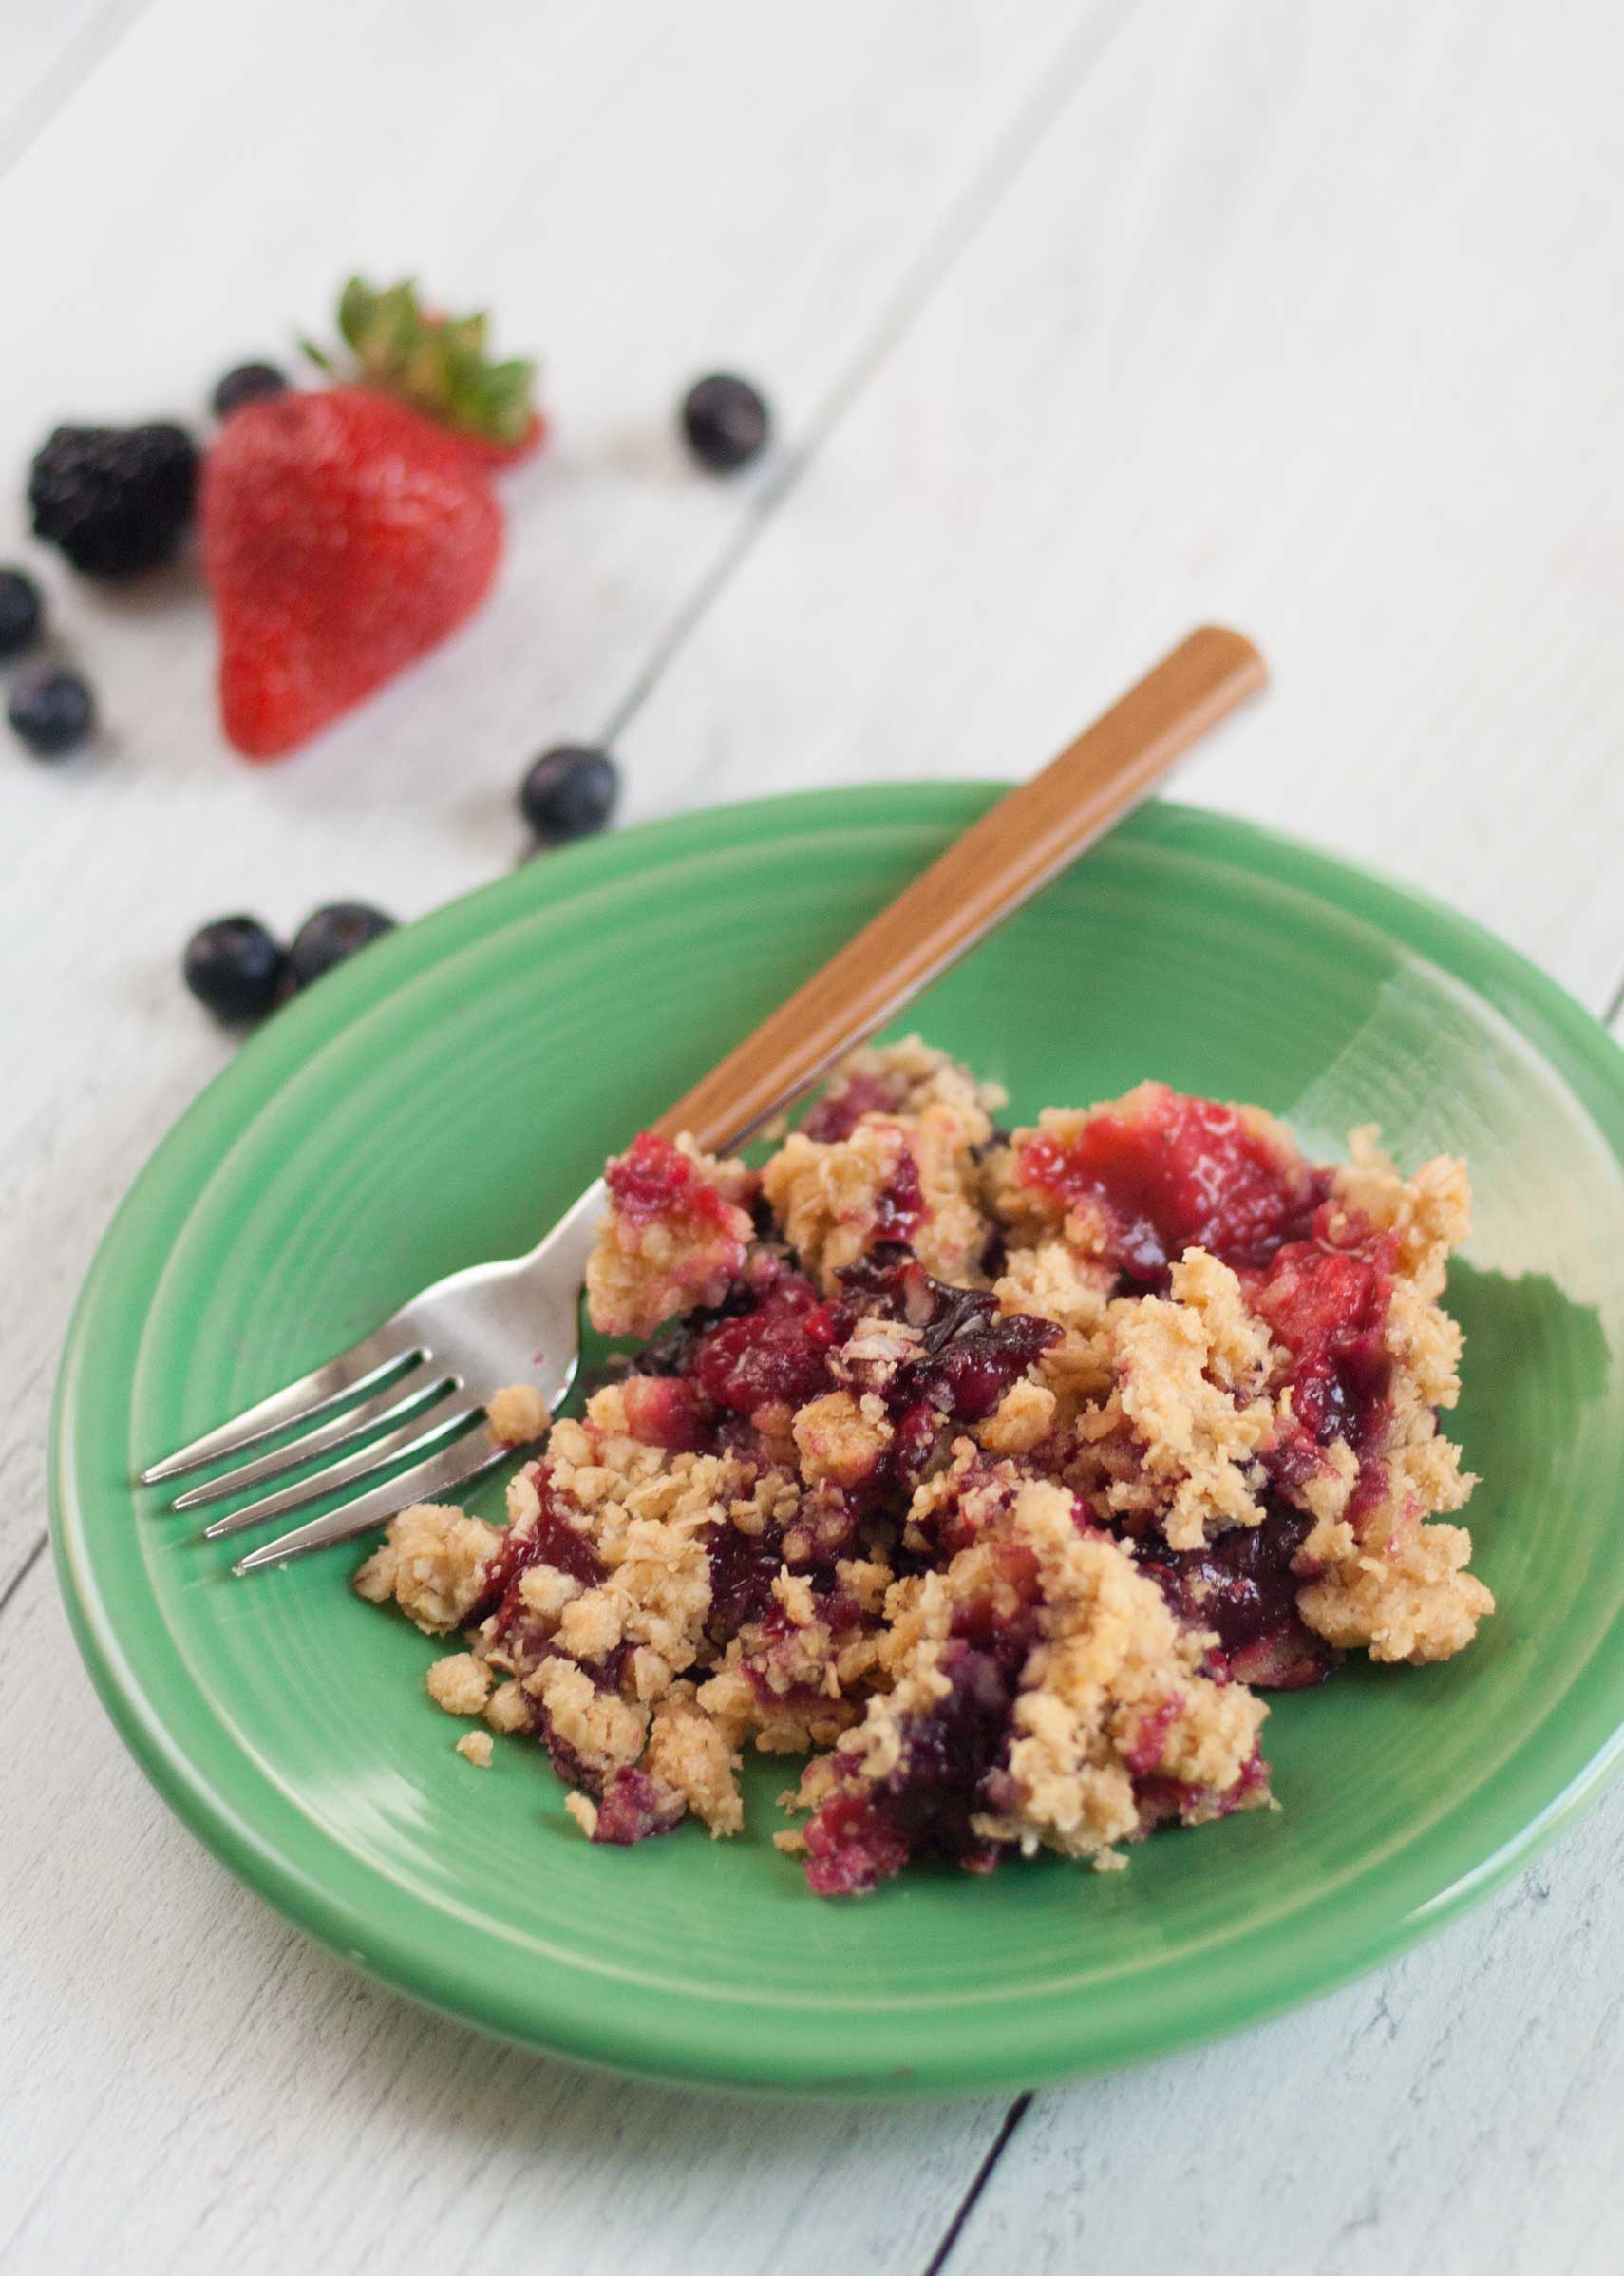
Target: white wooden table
(1083, 321)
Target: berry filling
(857, 1839)
(978, 1360)
(777, 1351)
(970, 1353)
(549, 1538)
(743, 1569)
(654, 1178)
(1243, 1586)
(773, 1341)
(633, 1807)
(772, 1661)
(666, 1410)
(843, 1105)
(950, 1757)
(1162, 1800)
(1326, 1305)
(901, 1209)
(1180, 1173)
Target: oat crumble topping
(518, 1415)
(460, 1685)
(995, 1472)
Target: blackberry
(116, 499)
(332, 933)
(235, 967)
(569, 792)
(20, 613)
(51, 712)
(246, 382)
(726, 420)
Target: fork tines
(410, 1410)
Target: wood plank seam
(79, 62)
(27, 1566)
(984, 2172)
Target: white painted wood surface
(48, 48)
(1083, 322)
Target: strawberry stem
(440, 364)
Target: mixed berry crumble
(994, 1472)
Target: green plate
(438, 1100)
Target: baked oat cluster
(995, 1472)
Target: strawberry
(344, 536)
(347, 531)
(495, 456)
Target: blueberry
(726, 421)
(20, 612)
(235, 967)
(52, 710)
(569, 792)
(332, 933)
(246, 382)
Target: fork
(413, 1390)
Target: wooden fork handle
(1001, 861)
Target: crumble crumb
(1022, 1417)
(475, 1747)
(599, 1728)
(651, 1262)
(1112, 1698)
(1416, 1602)
(544, 1590)
(517, 1415)
(1428, 1214)
(1054, 1281)
(688, 1752)
(944, 1139)
(905, 1077)
(584, 1811)
(829, 1197)
(1177, 1397)
(793, 1591)
(507, 1709)
(432, 1564)
(841, 1438)
(460, 1683)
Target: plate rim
(1586, 1056)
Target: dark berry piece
(116, 499)
(332, 933)
(52, 710)
(246, 382)
(726, 421)
(569, 792)
(235, 967)
(20, 612)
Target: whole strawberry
(348, 530)
(344, 536)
